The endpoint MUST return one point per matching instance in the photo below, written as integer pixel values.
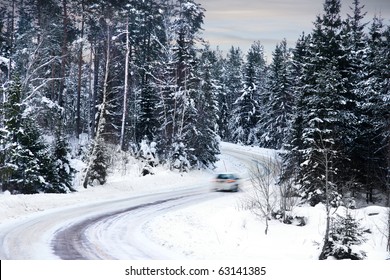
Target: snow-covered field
(221, 229)
(217, 228)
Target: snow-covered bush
(319, 196)
(179, 159)
(147, 152)
(64, 170)
(148, 156)
(97, 170)
(344, 237)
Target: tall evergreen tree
(277, 109)
(205, 140)
(355, 47)
(247, 108)
(181, 92)
(324, 99)
(147, 52)
(233, 82)
(27, 165)
(375, 108)
(292, 157)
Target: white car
(226, 182)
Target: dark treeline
(120, 72)
(125, 72)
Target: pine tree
(233, 83)
(167, 85)
(63, 170)
(97, 164)
(181, 86)
(293, 146)
(9, 134)
(277, 108)
(246, 109)
(7, 38)
(218, 73)
(32, 158)
(345, 234)
(375, 108)
(324, 100)
(355, 48)
(205, 141)
(147, 52)
(27, 165)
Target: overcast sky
(241, 22)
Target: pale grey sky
(241, 22)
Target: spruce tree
(345, 234)
(63, 170)
(233, 82)
(9, 135)
(181, 92)
(205, 141)
(324, 101)
(293, 146)
(375, 109)
(98, 164)
(246, 110)
(277, 109)
(355, 48)
(27, 165)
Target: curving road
(119, 234)
(103, 230)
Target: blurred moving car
(226, 182)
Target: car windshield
(225, 176)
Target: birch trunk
(79, 76)
(126, 89)
(101, 123)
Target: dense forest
(130, 73)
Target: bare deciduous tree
(288, 197)
(325, 159)
(388, 230)
(262, 197)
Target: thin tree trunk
(101, 123)
(125, 94)
(95, 81)
(327, 190)
(11, 40)
(388, 230)
(64, 51)
(79, 76)
(388, 186)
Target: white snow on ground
(221, 229)
(218, 229)
(214, 229)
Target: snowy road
(119, 234)
(106, 230)
(112, 229)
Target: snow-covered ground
(222, 229)
(217, 228)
